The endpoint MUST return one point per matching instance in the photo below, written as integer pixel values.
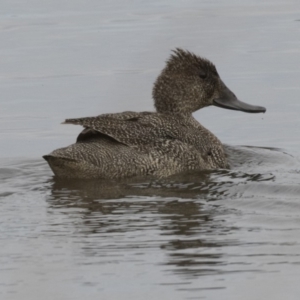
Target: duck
(157, 143)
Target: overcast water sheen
(227, 234)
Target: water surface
(208, 235)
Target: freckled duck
(160, 143)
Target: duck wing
(124, 129)
(90, 133)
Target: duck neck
(174, 98)
(174, 103)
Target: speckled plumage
(159, 143)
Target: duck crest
(160, 143)
(181, 59)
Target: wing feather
(128, 133)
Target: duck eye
(202, 75)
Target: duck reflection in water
(102, 212)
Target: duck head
(189, 82)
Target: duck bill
(228, 100)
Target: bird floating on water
(161, 143)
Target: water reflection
(164, 222)
(170, 215)
(207, 185)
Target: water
(211, 235)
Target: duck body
(137, 144)
(160, 143)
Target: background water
(213, 235)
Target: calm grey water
(212, 235)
